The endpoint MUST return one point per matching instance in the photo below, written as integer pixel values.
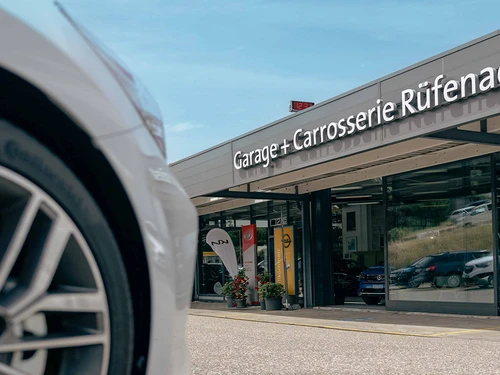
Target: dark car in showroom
(372, 285)
(444, 269)
(351, 269)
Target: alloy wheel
(453, 281)
(54, 315)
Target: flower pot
(262, 304)
(241, 303)
(273, 304)
(230, 302)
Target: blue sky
(219, 69)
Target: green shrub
(228, 290)
(271, 290)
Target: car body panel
(478, 215)
(426, 269)
(478, 268)
(372, 282)
(458, 215)
(169, 225)
(52, 56)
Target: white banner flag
(222, 245)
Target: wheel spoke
(44, 272)
(52, 296)
(7, 370)
(64, 302)
(37, 343)
(15, 246)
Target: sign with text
(289, 255)
(222, 245)
(249, 234)
(429, 95)
(276, 222)
(298, 105)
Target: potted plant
(262, 279)
(228, 291)
(240, 288)
(272, 293)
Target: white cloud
(182, 127)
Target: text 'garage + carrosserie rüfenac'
(429, 96)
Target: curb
(407, 313)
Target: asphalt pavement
(339, 341)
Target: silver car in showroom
(97, 238)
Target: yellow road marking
(464, 331)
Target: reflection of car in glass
(480, 202)
(372, 285)
(479, 269)
(443, 269)
(458, 215)
(478, 215)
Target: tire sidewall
(23, 154)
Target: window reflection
(212, 273)
(440, 234)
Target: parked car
(372, 285)
(458, 215)
(478, 215)
(97, 238)
(351, 269)
(443, 269)
(478, 269)
(479, 202)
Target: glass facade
(267, 217)
(440, 233)
(260, 219)
(431, 230)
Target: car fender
(50, 53)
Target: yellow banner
(289, 255)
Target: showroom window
(295, 219)
(211, 273)
(440, 233)
(260, 219)
(233, 221)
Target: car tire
(413, 284)
(453, 281)
(24, 159)
(490, 280)
(371, 300)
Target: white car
(481, 268)
(478, 215)
(458, 215)
(97, 238)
